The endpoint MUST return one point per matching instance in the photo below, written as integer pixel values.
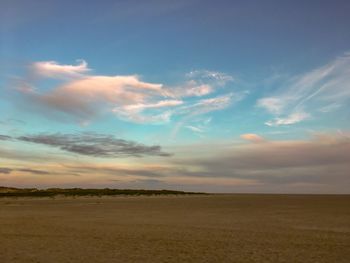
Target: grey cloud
(273, 155)
(5, 137)
(149, 181)
(5, 170)
(323, 161)
(32, 171)
(316, 175)
(92, 144)
(143, 172)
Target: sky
(214, 96)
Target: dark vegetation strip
(33, 192)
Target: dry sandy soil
(215, 228)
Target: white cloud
(273, 105)
(288, 120)
(134, 112)
(324, 89)
(83, 96)
(208, 105)
(219, 78)
(194, 128)
(189, 89)
(200, 90)
(138, 117)
(159, 104)
(52, 69)
(204, 106)
(200, 83)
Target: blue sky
(155, 94)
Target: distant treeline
(51, 192)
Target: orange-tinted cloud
(252, 137)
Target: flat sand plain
(213, 228)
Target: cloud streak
(205, 106)
(288, 120)
(5, 137)
(323, 161)
(319, 91)
(260, 165)
(215, 77)
(97, 145)
(5, 170)
(212, 104)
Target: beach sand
(213, 228)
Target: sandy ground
(217, 228)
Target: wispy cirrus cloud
(200, 83)
(190, 88)
(133, 112)
(214, 77)
(205, 106)
(319, 91)
(212, 104)
(159, 104)
(294, 117)
(272, 104)
(195, 129)
(200, 127)
(198, 90)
